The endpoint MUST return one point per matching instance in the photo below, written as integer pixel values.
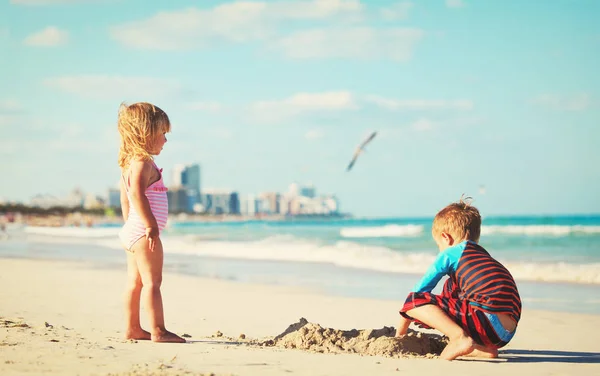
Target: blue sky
(261, 94)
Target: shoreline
(319, 276)
(88, 330)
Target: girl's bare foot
(457, 347)
(139, 334)
(166, 336)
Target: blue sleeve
(444, 264)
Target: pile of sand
(313, 337)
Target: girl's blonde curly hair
(138, 126)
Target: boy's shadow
(548, 356)
(511, 356)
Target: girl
(142, 127)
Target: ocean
(554, 259)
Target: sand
(65, 318)
(313, 337)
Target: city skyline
(185, 195)
(463, 94)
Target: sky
(462, 93)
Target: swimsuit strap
(128, 173)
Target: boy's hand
(152, 236)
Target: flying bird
(360, 149)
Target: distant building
(93, 202)
(178, 200)
(46, 201)
(186, 178)
(308, 191)
(114, 198)
(248, 205)
(270, 202)
(221, 202)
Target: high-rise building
(178, 175)
(187, 178)
(248, 204)
(308, 191)
(114, 198)
(221, 202)
(178, 200)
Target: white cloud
(222, 133)
(423, 125)
(419, 104)
(307, 102)
(304, 103)
(398, 11)
(56, 2)
(49, 37)
(577, 102)
(455, 3)
(7, 120)
(209, 106)
(10, 105)
(358, 42)
(314, 134)
(117, 87)
(239, 21)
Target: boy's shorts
(474, 321)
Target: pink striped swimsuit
(134, 228)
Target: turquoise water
(555, 260)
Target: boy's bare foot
(139, 334)
(167, 336)
(457, 347)
(483, 352)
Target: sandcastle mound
(309, 336)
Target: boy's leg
(460, 342)
(132, 301)
(402, 326)
(150, 265)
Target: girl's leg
(460, 342)
(132, 301)
(150, 265)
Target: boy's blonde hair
(138, 124)
(459, 219)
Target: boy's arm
(445, 263)
(402, 326)
(124, 201)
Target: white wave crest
(342, 253)
(74, 232)
(354, 255)
(382, 231)
(552, 230)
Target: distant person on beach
(3, 233)
(142, 127)
(479, 307)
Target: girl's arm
(124, 201)
(141, 172)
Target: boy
(479, 307)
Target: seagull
(360, 149)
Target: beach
(273, 298)
(65, 318)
